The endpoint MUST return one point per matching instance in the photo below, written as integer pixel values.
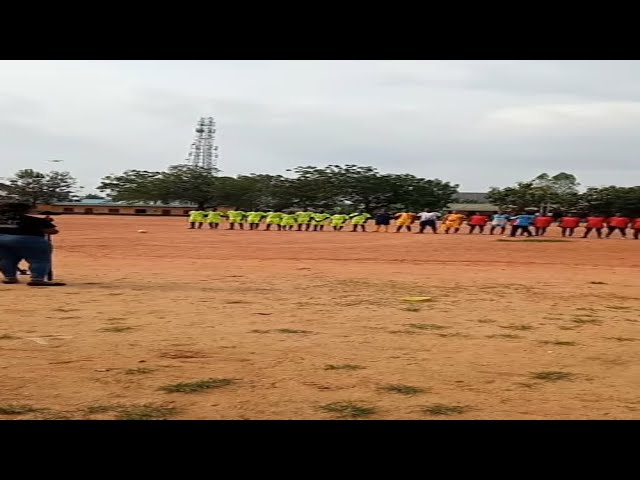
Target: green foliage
(559, 191)
(611, 200)
(348, 187)
(37, 187)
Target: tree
(180, 183)
(93, 196)
(522, 195)
(37, 187)
(561, 190)
(611, 200)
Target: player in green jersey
(319, 220)
(358, 220)
(338, 220)
(289, 220)
(254, 219)
(304, 219)
(214, 218)
(236, 217)
(274, 218)
(197, 217)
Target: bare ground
(280, 314)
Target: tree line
(334, 187)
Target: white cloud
(478, 123)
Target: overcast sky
(476, 123)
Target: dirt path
(269, 311)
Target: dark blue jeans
(35, 250)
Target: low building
(481, 208)
(99, 207)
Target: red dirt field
(270, 311)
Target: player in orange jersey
(541, 223)
(594, 222)
(619, 223)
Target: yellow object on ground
(417, 299)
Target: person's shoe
(23, 272)
(43, 283)
(10, 281)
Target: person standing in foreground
(619, 223)
(289, 220)
(594, 222)
(477, 221)
(383, 219)
(541, 223)
(568, 224)
(23, 237)
(522, 223)
(254, 219)
(428, 219)
(304, 219)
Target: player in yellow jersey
(214, 218)
(254, 219)
(289, 220)
(236, 217)
(319, 220)
(404, 219)
(197, 217)
(338, 221)
(359, 219)
(304, 219)
(274, 218)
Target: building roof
(99, 203)
(478, 207)
(471, 196)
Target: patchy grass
(552, 376)
(558, 342)
(197, 385)
(486, 320)
(281, 330)
(533, 240)
(116, 329)
(520, 327)
(617, 307)
(48, 414)
(16, 409)
(623, 339)
(146, 412)
(504, 335)
(598, 283)
(348, 409)
(343, 366)
(586, 320)
(139, 371)
(453, 334)
(8, 336)
(235, 302)
(442, 409)
(401, 389)
(426, 326)
(568, 327)
(102, 408)
(412, 308)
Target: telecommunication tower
(204, 151)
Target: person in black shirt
(383, 219)
(23, 237)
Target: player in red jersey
(541, 223)
(620, 223)
(477, 221)
(595, 222)
(636, 228)
(568, 224)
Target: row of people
(526, 223)
(301, 221)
